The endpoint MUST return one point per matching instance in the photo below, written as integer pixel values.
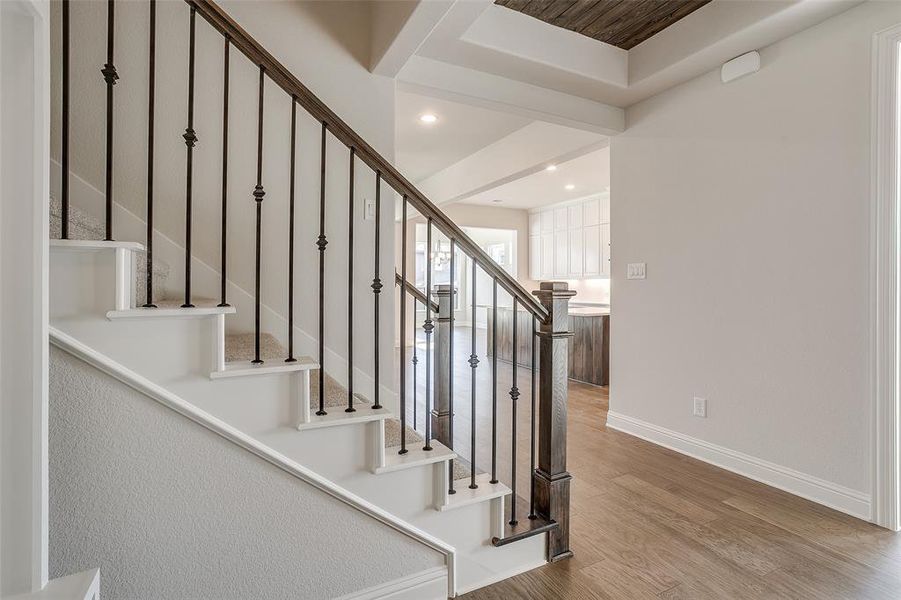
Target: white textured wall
(326, 45)
(168, 509)
(750, 204)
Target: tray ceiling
(621, 23)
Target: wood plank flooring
(651, 523)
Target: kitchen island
(589, 348)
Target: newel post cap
(443, 289)
(554, 289)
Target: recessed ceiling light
(551, 168)
(570, 186)
(428, 118)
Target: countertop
(602, 310)
(589, 311)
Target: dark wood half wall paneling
(621, 23)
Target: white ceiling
(589, 173)
(488, 55)
(461, 130)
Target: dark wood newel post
(441, 409)
(551, 477)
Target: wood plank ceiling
(622, 23)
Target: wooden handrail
(282, 77)
(413, 290)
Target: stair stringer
(249, 443)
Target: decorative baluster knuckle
(190, 137)
(110, 75)
(258, 193)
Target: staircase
(104, 307)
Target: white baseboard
(430, 584)
(496, 577)
(846, 500)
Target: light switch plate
(369, 209)
(635, 271)
(699, 409)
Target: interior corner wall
(750, 204)
(326, 45)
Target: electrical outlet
(368, 209)
(700, 408)
(635, 271)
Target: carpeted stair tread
(240, 346)
(392, 434)
(82, 226)
(177, 302)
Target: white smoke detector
(741, 66)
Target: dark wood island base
(589, 348)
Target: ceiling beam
(399, 28)
(460, 84)
(517, 155)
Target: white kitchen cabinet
(570, 241)
(576, 252)
(547, 256)
(561, 253)
(547, 221)
(592, 243)
(535, 257)
(591, 210)
(560, 218)
(574, 217)
(605, 249)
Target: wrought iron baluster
(291, 233)
(534, 392)
(64, 127)
(377, 285)
(514, 396)
(110, 76)
(258, 194)
(350, 286)
(151, 86)
(190, 138)
(494, 383)
(321, 243)
(450, 367)
(428, 327)
(223, 235)
(403, 334)
(473, 364)
(415, 362)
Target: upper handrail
(281, 76)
